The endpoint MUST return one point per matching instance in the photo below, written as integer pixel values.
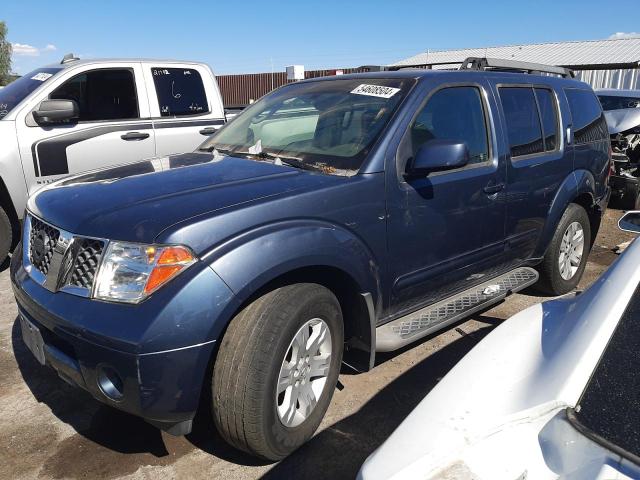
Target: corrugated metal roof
(568, 54)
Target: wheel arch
(577, 187)
(7, 205)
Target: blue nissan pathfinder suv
(332, 219)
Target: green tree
(5, 55)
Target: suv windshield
(609, 404)
(327, 125)
(15, 92)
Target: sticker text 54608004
(375, 90)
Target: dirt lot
(51, 430)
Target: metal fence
(240, 90)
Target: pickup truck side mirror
(56, 111)
(438, 155)
(630, 222)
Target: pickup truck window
(589, 124)
(523, 122)
(108, 94)
(440, 119)
(18, 90)
(180, 91)
(326, 125)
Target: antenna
(68, 58)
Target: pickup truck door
(446, 229)
(113, 128)
(186, 106)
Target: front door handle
(208, 131)
(133, 136)
(494, 188)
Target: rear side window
(180, 91)
(108, 94)
(589, 124)
(549, 118)
(442, 118)
(523, 122)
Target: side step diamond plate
(407, 329)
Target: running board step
(416, 325)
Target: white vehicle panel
(536, 363)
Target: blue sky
(247, 36)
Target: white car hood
(508, 388)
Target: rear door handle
(495, 188)
(133, 136)
(208, 131)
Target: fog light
(110, 383)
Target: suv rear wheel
(277, 368)
(6, 235)
(567, 254)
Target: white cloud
(25, 50)
(619, 35)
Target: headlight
(130, 272)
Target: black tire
(551, 280)
(630, 199)
(6, 235)
(247, 368)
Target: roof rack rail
(481, 63)
(499, 64)
(68, 58)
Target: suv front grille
(42, 241)
(86, 264)
(59, 260)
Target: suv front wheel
(277, 368)
(567, 254)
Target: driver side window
(108, 94)
(456, 114)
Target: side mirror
(56, 111)
(630, 222)
(438, 155)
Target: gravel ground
(51, 430)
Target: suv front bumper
(148, 359)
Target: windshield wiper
(290, 161)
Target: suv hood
(136, 202)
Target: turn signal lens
(171, 261)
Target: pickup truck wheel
(567, 254)
(6, 235)
(277, 368)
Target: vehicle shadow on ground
(100, 423)
(339, 451)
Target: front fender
(575, 184)
(251, 260)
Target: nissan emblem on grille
(61, 260)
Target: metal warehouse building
(601, 63)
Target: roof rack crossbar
(484, 63)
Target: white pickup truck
(81, 115)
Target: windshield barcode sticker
(41, 77)
(375, 91)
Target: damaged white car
(551, 393)
(622, 112)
